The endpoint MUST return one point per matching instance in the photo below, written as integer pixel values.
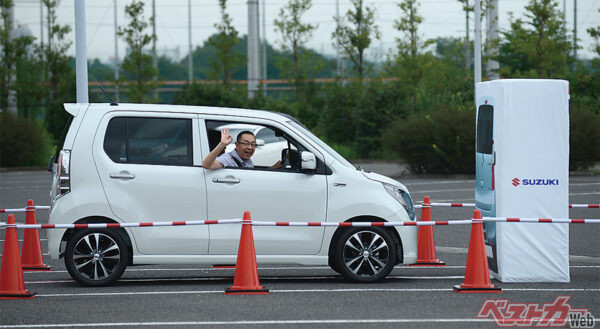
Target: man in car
(239, 157)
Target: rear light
(63, 185)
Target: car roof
(225, 111)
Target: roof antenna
(112, 102)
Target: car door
(146, 165)
(269, 195)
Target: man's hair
(239, 136)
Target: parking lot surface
(180, 296)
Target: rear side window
(157, 141)
(485, 129)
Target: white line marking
(441, 182)
(333, 290)
(473, 189)
(573, 258)
(451, 190)
(401, 267)
(583, 184)
(246, 322)
(265, 278)
(21, 240)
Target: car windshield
(322, 144)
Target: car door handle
(229, 180)
(122, 175)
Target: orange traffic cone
(245, 281)
(425, 241)
(32, 258)
(477, 274)
(12, 284)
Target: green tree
(294, 35)
(412, 44)
(12, 50)
(537, 47)
(140, 75)
(30, 93)
(227, 58)
(410, 62)
(354, 33)
(58, 73)
(595, 34)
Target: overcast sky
(442, 18)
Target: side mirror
(260, 142)
(309, 162)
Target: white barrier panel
(529, 171)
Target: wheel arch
(391, 230)
(98, 219)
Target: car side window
(157, 141)
(278, 146)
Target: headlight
(402, 197)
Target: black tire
(365, 254)
(96, 257)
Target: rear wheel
(365, 254)
(96, 257)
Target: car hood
(383, 179)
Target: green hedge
(23, 142)
(584, 138)
(439, 142)
(443, 141)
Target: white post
(467, 45)
(11, 102)
(253, 58)
(190, 54)
(264, 44)
(154, 58)
(337, 47)
(81, 74)
(575, 29)
(42, 22)
(477, 46)
(116, 52)
(492, 39)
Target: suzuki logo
(545, 182)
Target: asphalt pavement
(183, 296)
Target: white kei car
(130, 163)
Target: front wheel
(96, 257)
(365, 254)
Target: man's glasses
(246, 144)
